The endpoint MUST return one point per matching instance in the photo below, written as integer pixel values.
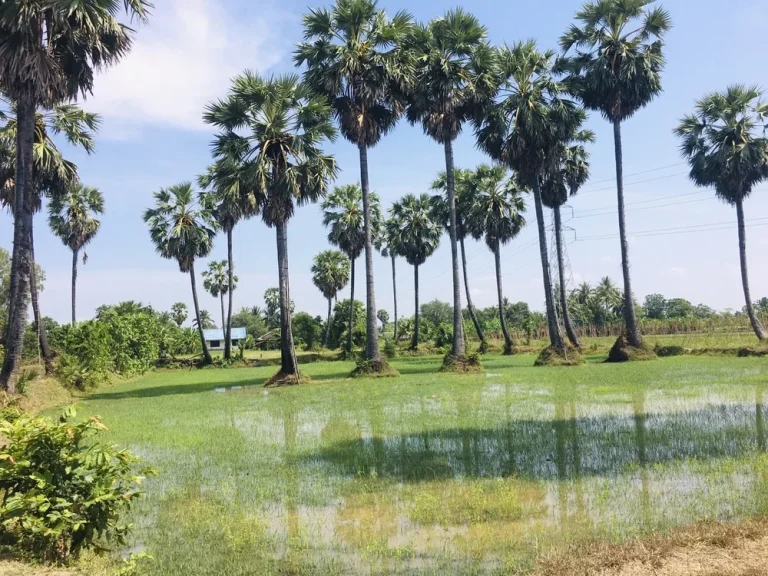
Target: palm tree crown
(343, 215)
(330, 272)
(227, 192)
(497, 210)
(216, 278)
(414, 228)
(462, 179)
(72, 216)
(568, 171)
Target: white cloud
(183, 59)
(677, 270)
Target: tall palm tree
(616, 70)
(724, 142)
(568, 172)
(231, 198)
(72, 217)
(275, 127)
(53, 174)
(330, 273)
(418, 236)
(523, 131)
(182, 230)
(497, 216)
(344, 215)
(43, 70)
(454, 78)
(353, 56)
(385, 243)
(216, 281)
(463, 203)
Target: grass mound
(667, 351)
(373, 369)
(282, 379)
(467, 365)
(758, 351)
(623, 351)
(566, 356)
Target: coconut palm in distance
(343, 214)
(275, 127)
(72, 218)
(179, 313)
(496, 215)
(385, 242)
(182, 230)
(216, 281)
(568, 172)
(453, 79)
(206, 321)
(353, 58)
(330, 273)
(616, 69)
(418, 237)
(42, 70)
(523, 131)
(724, 142)
(231, 199)
(463, 202)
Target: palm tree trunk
(231, 287)
(39, 326)
(206, 353)
(288, 364)
(371, 328)
(459, 347)
(569, 330)
(351, 305)
(415, 339)
(633, 330)
(223, 317)
(22, 249)
(327, 326)
(75, 254)
(555, 339)
(470, 306)
(394, 292)
(508, 343)
(756, 325)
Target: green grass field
(435, 474)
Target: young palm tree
(216, 281)
(608, 296)
(206, 321)
(523, 131)
(725, 144)
(275, 127)
(330, 273)
(569, 172)
(418, 236)
(231, 199)
(497, 216)
(353, 57)
(454, 78)
(179, 313)
(463, 202)
(72, 218)
(43, 70)
(385, 242)
(616, 69)
(182, 230)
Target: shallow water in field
(477, 475)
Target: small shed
(215, 337)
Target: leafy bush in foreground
(63, 492)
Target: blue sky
(152, 136)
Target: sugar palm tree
(216, 281)
(330, 273)
(182, 230)
(454, 78)
(354, 58)
(344, 215)
(179, 313)
(275, 127)
(73, 218)
(53, 174)
(724, 142)
(568, 172)
(523, 131)
(417, 238)
(496, 215)
(463, 203)
(206, 321)
(43, 70)
(385, 242)
(616, 69)
(231, 198)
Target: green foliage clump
(469, 365)
(340, 325)
(308, 331)
(365, 368)
(390, 348)
(135, 343)
(63, 492)
(444, 335)
(86, 358)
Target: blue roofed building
(215, 337)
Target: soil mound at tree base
(623, 351)
(373, 369)
(467, 365)
(282, 379)
(566, 356)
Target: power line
(613, 212)
(755, 222)
(626, 185)
(636, 202)
(637, 173)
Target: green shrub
(135, 342)
(86, 355)
(444, 335)
(390, 348)
(64, 492)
